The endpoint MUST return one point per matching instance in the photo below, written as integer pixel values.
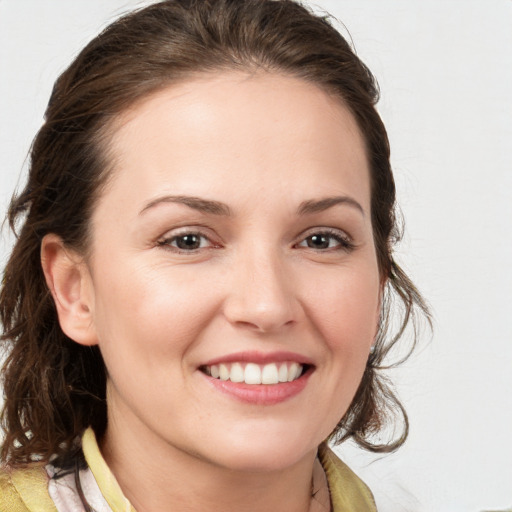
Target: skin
(263, 145)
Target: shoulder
(25, 490)
(348, 492)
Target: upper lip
(260, 358)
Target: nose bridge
(262, 295)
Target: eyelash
(344, 242)
(167, 241)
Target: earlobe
(69, 282)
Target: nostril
(261, 320)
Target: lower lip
(261, 394)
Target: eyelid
(165, 240)
(345, 240)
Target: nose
(261, 295)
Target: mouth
(255, 374)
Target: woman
(199, 293)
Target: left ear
(70, 284)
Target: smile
(252, 373)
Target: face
(233, 283)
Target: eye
(327, 240)
(186, 242)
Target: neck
(154, 474)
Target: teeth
(237, 373)
(251, 373)
(214, 371)
(223, 372)
(283, 373)
(293, 372)
(269, 374)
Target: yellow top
(26, 489)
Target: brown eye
(188, 242)
(320, 241)
(327, 240)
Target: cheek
(345, 317)
(151, 316)
(347, 310)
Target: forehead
(239, 132)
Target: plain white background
(445, 71)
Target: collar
(348, 493)
(104, 478)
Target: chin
(265, 452)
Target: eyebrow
(196, 203)
(218, 208)
(320, 205)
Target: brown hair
(54, 388)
